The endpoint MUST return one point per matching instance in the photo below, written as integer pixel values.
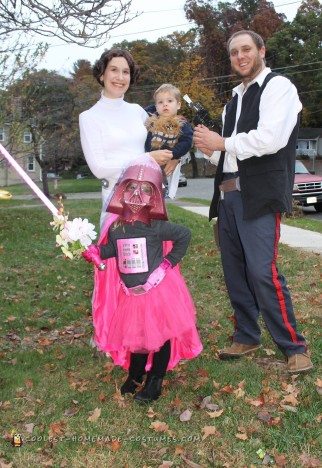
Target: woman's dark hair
(101, 64)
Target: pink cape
(106, 300)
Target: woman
(112, 131)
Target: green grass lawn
(64, 185)
(63, 396)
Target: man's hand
(207, 141)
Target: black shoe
(151, 390)
(131, 384)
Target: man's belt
(230, 185)
(152, 282)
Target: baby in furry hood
(167, 130)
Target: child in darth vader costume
(144, 316)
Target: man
(253, 186)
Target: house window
(30, 164)
(1, 134)
(27, 137)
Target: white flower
(74, 236)
(79, 230)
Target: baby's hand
(170, 166)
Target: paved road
(203, 188)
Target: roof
(310, 133)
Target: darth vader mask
(138, 196)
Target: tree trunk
(194, 164)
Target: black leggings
(159, 364)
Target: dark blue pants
(249, 253)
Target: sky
(158, 19)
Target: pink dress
(125, 324)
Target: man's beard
(253, 72)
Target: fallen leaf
(318, 386)
(310, 462)
(5, 465)
(190, 463)
(203, 372)
(185, 416)
(227, 389)
(290, 399)
(290, 389)
(215, 414)
(150, 413)
(176, 402)
(267, 459)
(254, 402)
(212, 406)
(179, 450)
(208, 430)
(292, 409)
(159, 426)
(239, 393)
(163, 451)
(94, 415)
(102, 396)
(109, 366)
(280, 460)
(205, 402)
(216, 384)
(56, 429)
(71, 411)
(115, 445)
(11, 318)
(269, 352)
(29, 428)
(241, 436)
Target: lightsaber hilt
(202, 114)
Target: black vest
(266, 182)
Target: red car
(307, 189)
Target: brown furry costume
(164, 130)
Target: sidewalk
(291, 236)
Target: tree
(81, 22)
(42, 103)
(86, 92)
(296, 52)
(84, 22)
(217, 22)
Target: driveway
(203, 188)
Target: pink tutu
(142, 324)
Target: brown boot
(299, 363)
(237, 350)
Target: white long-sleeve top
(278, 113)
(112, 134)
